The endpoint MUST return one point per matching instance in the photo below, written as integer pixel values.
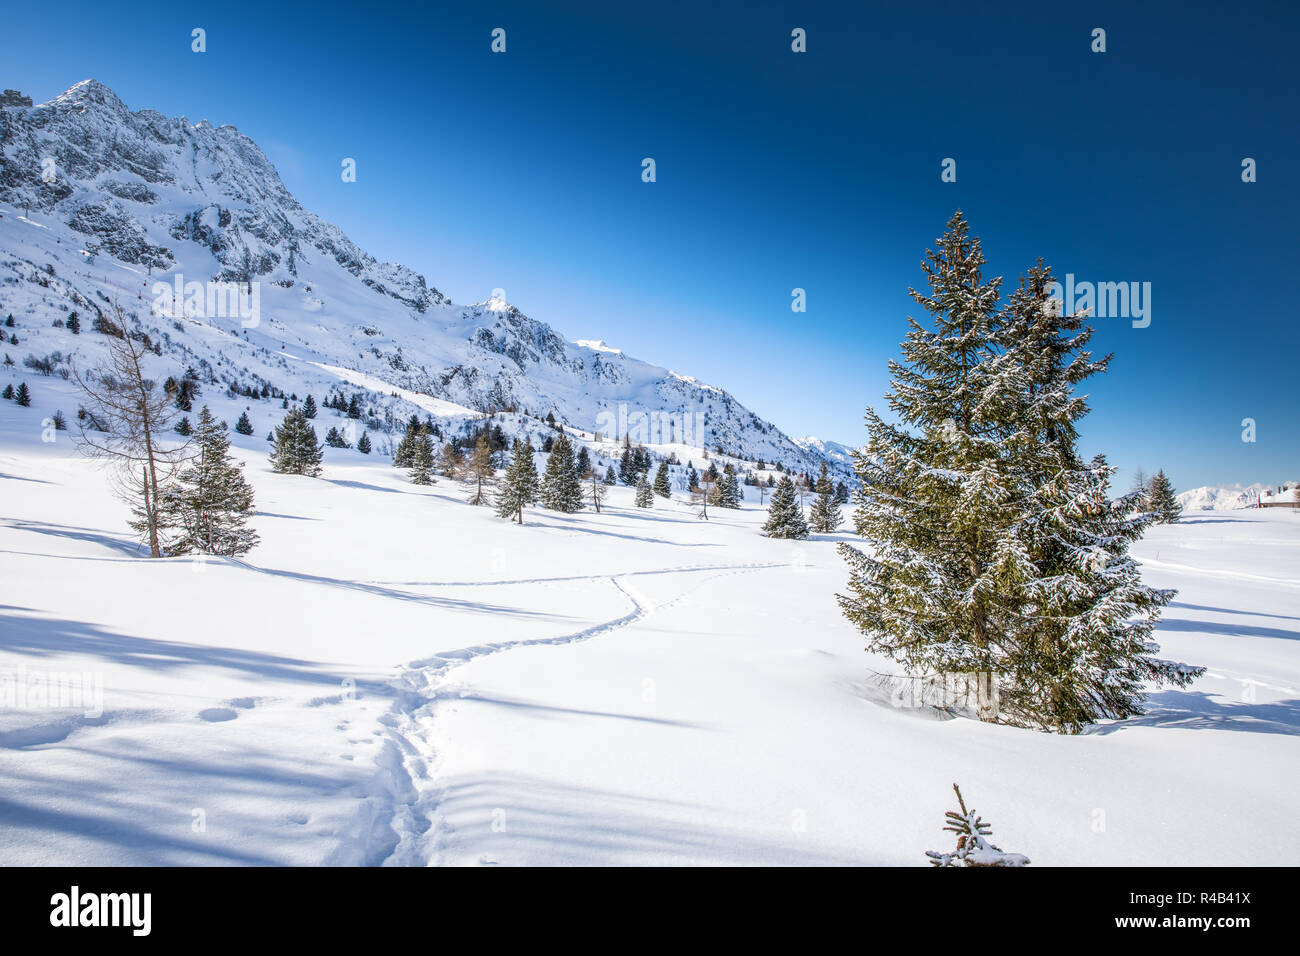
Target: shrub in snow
(973, 849)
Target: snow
(396, 677)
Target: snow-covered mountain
(98, 204)
(1223, 497)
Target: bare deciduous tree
(126, 416)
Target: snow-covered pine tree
(933, 502)
(1076, 644)
(363, 443)
(479, 472)
(309, 407)
(661, 486)
(519, 488)
(644, 496)
(1162, 499)
(784, 516)
(825, 517)
(244, 426)
(973, 847)
(295, 450)
(582, 462)
(610, 477)
(421, 470)
(561, 489)
(23, 396)
(208, 506)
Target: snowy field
(395, 677)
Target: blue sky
(779, 170)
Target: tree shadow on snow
(1229, 630)
(1196, 710)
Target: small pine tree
(1162, 499)
(363, 443)
(972, 847)
(243, 426)
(8, 393)
(210, 503)
(58, 421)
(784, 516)
(74, 323)
(23, 396)
(295, 450)
(519, 488)
(354, 407)
(662, 487)
(825, 517)
(610, 477)
(421, 470)
(450, 460)
(336, 439)
(561, 489)
(184, 428)
(309, 407)
(644, 496)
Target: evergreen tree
(997, 550)
(309, 407)
(644, 496)
(74, 323)
(295, 450)
(841, 493)
(933, 500)
(336, 439)
(209, 504)
(243, 426)
(627, 472)
(610, 477)
(363, 443)
(58, 421)
(784, 516)
(421, 470)
(353, 407)
(561, 489)
(519, 488)
(1162, 499)
(23, 396)
(184, 428)
(825, 517)
(661, 486)
(404, 455)
(583, 461)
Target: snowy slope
(396, 677)
(99, 203)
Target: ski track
(399, 823)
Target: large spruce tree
(997, 550)
(561, 486)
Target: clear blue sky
(777, 170)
